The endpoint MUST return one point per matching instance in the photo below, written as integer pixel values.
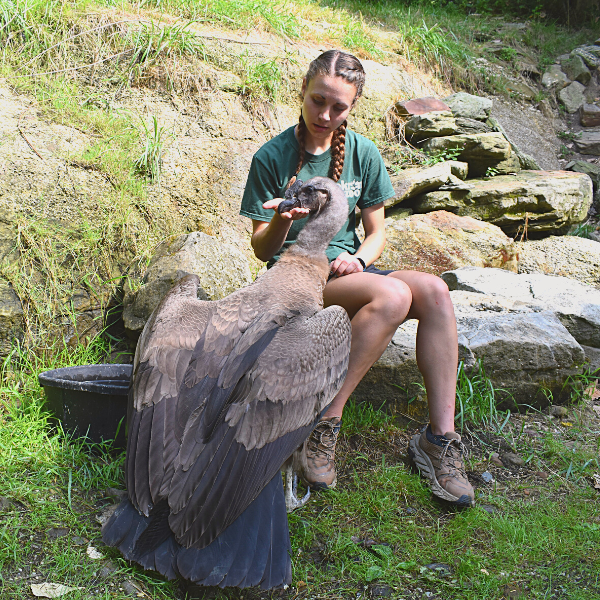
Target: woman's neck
(313, 146)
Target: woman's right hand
(293, 215)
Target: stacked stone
(575, 79)
(505, 186)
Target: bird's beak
(287, 205)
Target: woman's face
(327, 100)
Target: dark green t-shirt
(364, 180)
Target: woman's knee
(392, 300)
(431, 294)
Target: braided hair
(348, 67)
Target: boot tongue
(452, 435)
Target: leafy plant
(150, 161)
(583, 230)
(443, 155)
(261, 80)
(491, 172)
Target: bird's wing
(275, 382)
(179, 327)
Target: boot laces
(323, 438)
(455, 450)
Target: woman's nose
(324, 116)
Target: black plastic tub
(90, 400)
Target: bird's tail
(253, 551)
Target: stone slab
(547, 201)
(417, 180)
(576, 70)
(420, 106)
(590, 115)
(469, 106)
(572, 96)
(588, 142)
(554, 77)
(431, 124)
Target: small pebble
(441, 569)
(487, 477)
(381, 591)
(558, 411)
(489, 508)
(512, 459)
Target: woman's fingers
(294, 214)
(345, 264)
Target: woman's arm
(373, 219)
(268, 236)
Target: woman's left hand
(345, 264)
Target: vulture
(222, 394)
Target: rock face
(550, 202)
(480, 151)
(589, 142)
(222, 270)
(440, 241)
(576, 305)
(11, 318)
(590, 169)
(572, 96)
(567, 256)
(468, 106)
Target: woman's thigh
(390, 295)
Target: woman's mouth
(320, 127)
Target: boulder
(420, 106)
(468, 106)
(471, 126)
(417, 180)
(576, 70)
(590, 115)
(591, 169)
(589, 55)
(542, 201)
(520, 88)
(576, 304)
(567, 256)
(526, 161)
(222, 270)
(554, 78)
(572, 96)
(458, 169)
(481, 150)
(11, 318)
(588, 142)
(431, 124)
(525, 351)
(441, 241)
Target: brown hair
(349, 68)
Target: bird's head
(314, 195)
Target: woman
(376, 301)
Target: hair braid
(338, 151)
(301, 151)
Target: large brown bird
(222, 394)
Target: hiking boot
(318, 454)
(439, 458)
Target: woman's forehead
(332, 88)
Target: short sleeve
(261, 186)
(377, 186)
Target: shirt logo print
(352, 189)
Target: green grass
(380, 527)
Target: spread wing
(265, 402)
(223, 393)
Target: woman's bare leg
(377, 306)
(437, 344)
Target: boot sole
(425, 466)
(319, 485)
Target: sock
(438, 440)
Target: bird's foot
(292, 502)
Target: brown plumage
(222, 394)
